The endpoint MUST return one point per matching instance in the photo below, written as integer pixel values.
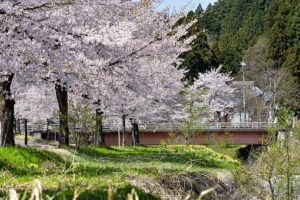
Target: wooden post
(18, 126)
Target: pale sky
(180, 4)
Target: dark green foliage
(285, 35)
(200, 58)
(214, 16)
(235, 26)
(199, 9)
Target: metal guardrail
(221, 126)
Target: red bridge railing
(217, 126)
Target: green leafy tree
(274, 173)
(82, 123)
(195, 109)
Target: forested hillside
(264, 33)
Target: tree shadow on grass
(22, 161)
(22, 155)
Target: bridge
(249, 133)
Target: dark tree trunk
(219, 116)
(124, 127)
(26, 131)
(135, 133)
(62, 99)
(15, 125)
(137, 139)
(226, 117)
(7, 115)
(48, 130)
(100, 138)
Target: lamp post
(243, 64)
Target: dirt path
(43, 145)
(21, 142)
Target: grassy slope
(230, 150)
(96, 169)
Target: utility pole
(244, 92)
(270, 114)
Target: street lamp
(243, 64)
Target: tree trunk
(135, 133)
(18, 126)
(77, 139)
(219, 116)
(124, 127)
(26, 131)
(48, 130)
(100, 138)
(62, 99)
(15, 125)
(272, 189)
(7, 115)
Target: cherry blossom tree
(19, 56)
(141, 90)
(70, 42)
(49, 35)
(36, 102)
(138, 81)
(121, 41)
(219, 95)
(29, 37)
(211, 93)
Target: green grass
(94, 170)
(230, 150)
(23, 163)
